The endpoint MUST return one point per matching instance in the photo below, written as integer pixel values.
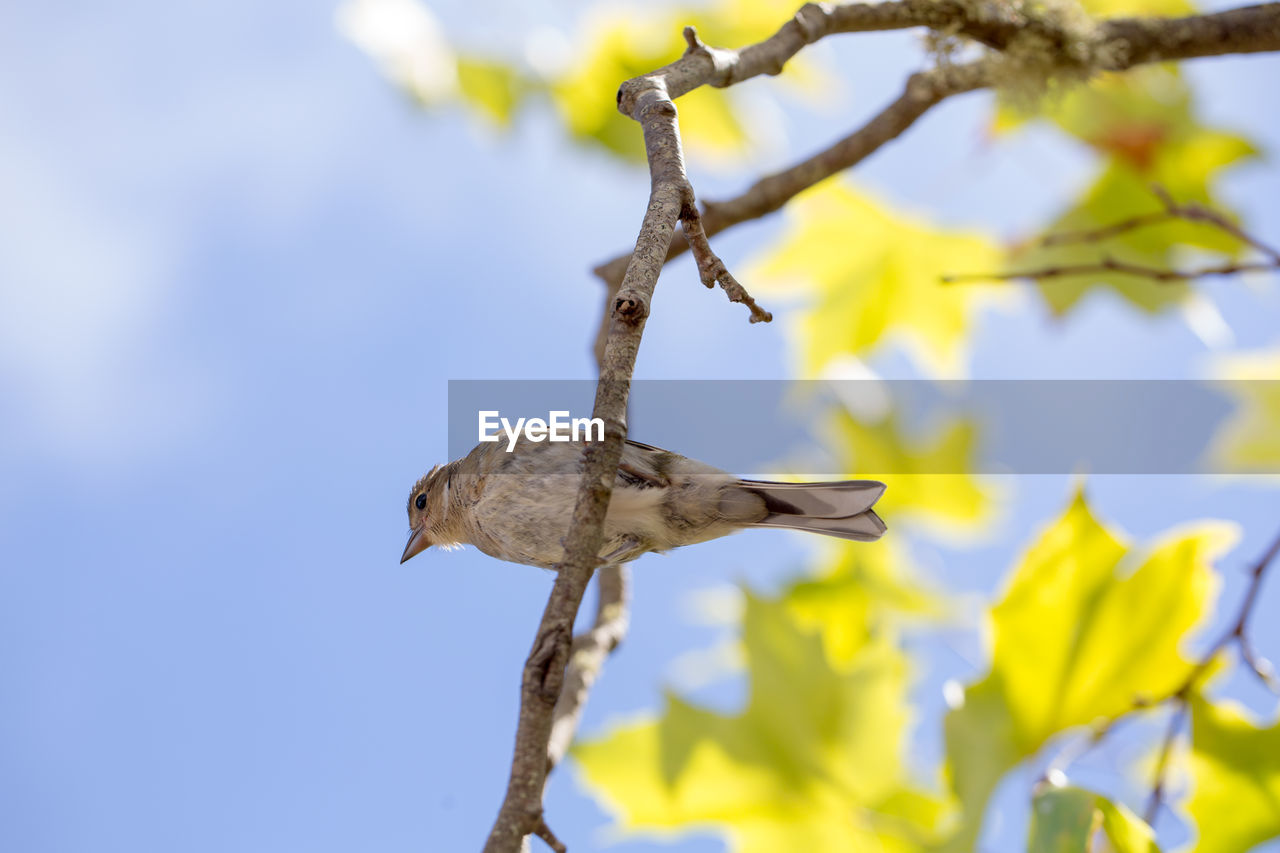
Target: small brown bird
(516, 505)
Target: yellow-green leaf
(1143, 124)
(876, 274)
(813, 762)
(1123, 191)
(618, 45)
(614, 50)
(1235, 768)
(854, 593)
(927, 475)
(980, 750)
(1066, 820)
(1087, 627)
(1250, 439)
(1126, 8)
(493, 88)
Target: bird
(516, 505)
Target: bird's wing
(631, 442)
(645, 466)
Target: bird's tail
(840, 509)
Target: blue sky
(237, 270)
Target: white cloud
(403, 37)
(108, 200)
(82, 289)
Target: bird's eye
(421, 501)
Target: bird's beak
(418, 542)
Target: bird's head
(426, 503)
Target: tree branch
(1248, 29)
(1130, 42)
(587, 657)
(923, 91)
(647, 99)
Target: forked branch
(648, 101)
(1122, 43)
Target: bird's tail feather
(843, 509)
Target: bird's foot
(629, 545)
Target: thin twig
(544, 832)
(1264, 669)
(711, 269)
(1172, 212)
(1190, 212)
(1107, 264)
(1237, 634)
(1106, 232)
(1240, 632)
(1162, 760)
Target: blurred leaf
(1236, 771)
(1150, 96)
(1127, 832)
(812, 763)
(493, 88)
(1127, 113)
(1119, 8)
(738, 23)
(980, 750)
(1087, 626)
(854, 593)
(613, 45)
(626, 42)
(1066, 820)
(1250, 439)
(1143, 124)
(1063, 820)
(917, 470)
(877, 274)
